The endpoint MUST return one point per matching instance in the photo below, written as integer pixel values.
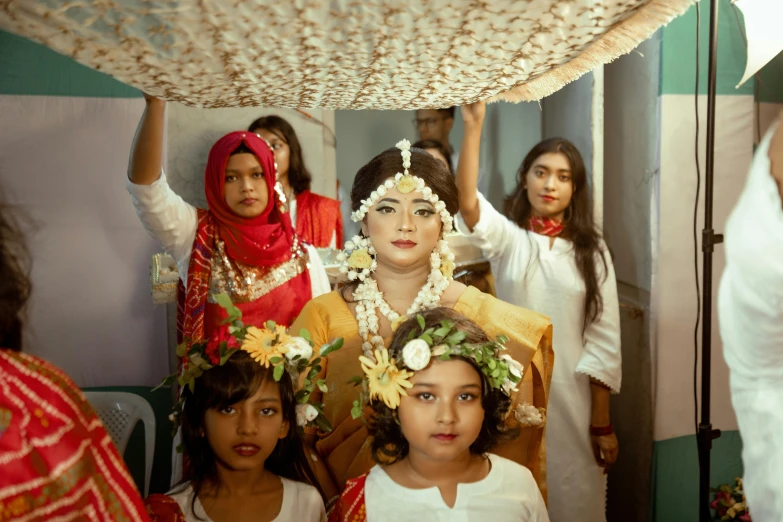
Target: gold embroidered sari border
(274, 278)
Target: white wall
(632, 161)
(630, 141)
(768, 113)
(64, 161)
(510, 131)
(361, 135)
(566, 114)
(674, 289)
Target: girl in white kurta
(539, 267)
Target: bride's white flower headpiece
(406, 183)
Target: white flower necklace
(370, 299)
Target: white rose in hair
(508, 387)
(513, 366)
(298, 346)
(416, 354)
(305, 413)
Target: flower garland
(387, 378)
(529, 416)
(730, 502)
(358, 261)
(270, 346)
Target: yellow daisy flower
(386, 381)
(258, 343)
(282, 335)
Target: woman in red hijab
(243, 245)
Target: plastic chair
(120, 412)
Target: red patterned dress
(56, 460)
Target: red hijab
(264, 240)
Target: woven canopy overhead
(341, 54)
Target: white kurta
(301, 502)
(750, 307)
(173, 222)
(509, 493)
(530, 275)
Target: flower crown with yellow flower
(385, 381)
(271, 347)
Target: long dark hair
(298, 176)
(388, 443)
(14, 280)
(579, 226)
(388, 163)
(238, 379)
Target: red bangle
(600, 431)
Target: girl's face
(245, 188)
(404, 229)
(243, 435)
(279, 148)
(442, 415)
(549, 185)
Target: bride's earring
(357, 260)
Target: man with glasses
(436, 124)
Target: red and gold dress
(56, 460)
(318, 220)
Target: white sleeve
(525, 487)
(750, 299)
(493, 234)
(166, 216)
(319, 280)
(601, 357)
(538, 508)
(307, 504)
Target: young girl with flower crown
(440, 395)
(547, 254)
(241, 420)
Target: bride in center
(405, 201)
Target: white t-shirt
(173, 222)
(301, 502)
(509, 493)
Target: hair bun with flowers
(358, 262)
(270, 346)
(386, 379)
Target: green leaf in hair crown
(271, 346)
(443, 341)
